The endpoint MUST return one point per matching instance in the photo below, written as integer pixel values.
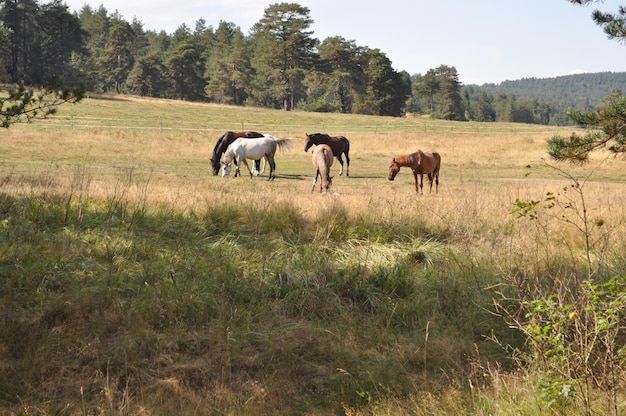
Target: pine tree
(284, 50)
(606, 126)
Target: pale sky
(487, 41)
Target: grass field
(135, 282)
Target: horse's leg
(237, 161)
(272, 168)
(437, 182)
(317, 172)
(421, 183)
(347, 164)
(430, 180)
(340, 164)
(255, 167)
(417, 189)
(245, 162)
(264, 160)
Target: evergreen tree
(149, 77)
(61, 35)
(386, 90)
(228, 68)
(438, 92)
(606, 126)
(339, 73)
(284, 50)
(96, 24)
(35, 45)
(117, 58)
(450, 105)
(614, 24)
(22, 18)
(483, 110)
(425, 88)
(185, 63)
(5, 34)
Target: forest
(279, 64)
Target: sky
(487, 41)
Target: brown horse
(339, 144)
(420, 163)
(322, 161)
(225, 141)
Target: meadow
(133, 281)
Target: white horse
(322, 161)
(263, 147)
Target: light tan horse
(420, 163)
(322, 161)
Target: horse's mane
(320, 134)
(406, 160)
(218, 144)
(229, 155)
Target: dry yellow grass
(485, 168)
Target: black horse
(225, 141)
(339, 144)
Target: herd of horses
(236, 147)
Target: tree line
(279, 64)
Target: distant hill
(580, 91)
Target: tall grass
(133, 282)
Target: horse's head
(227, 164)
(215, 167)
(329, 184)
(226, 168)
(309, 142)
(394, 168)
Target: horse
(322, 161)
(420, 163)
(339, 144)
(225, 141)
(263, 147)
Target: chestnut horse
(225, 141)
(339, 144)
(420, 163)
(322, 161)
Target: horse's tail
(284, 143)
(320, 161)
(328, 160)
(437, 164)
(345, 142)
(324, 159)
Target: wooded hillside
(580, 91)
(280, 64)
